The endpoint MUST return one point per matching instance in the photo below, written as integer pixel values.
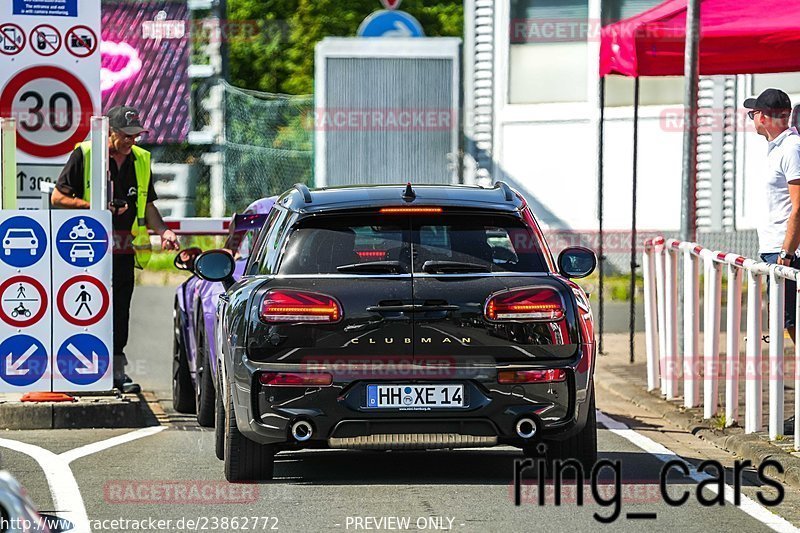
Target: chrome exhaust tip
(302, 430)
(526, 428)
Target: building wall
(545, 130)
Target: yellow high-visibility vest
(141, 167)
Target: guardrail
(664, 368)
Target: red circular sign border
(66, 35)
(76, 321)
(57, 48)
(42, 308)
(24, 38)
(57, 73)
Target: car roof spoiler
(247, 222)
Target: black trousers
(122, 280)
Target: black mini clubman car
(402, 318)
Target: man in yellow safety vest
(132, 198)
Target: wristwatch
(784, 255)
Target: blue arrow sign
(82, 241)
(82, 359)
(386, 23)
(23, 360)
(23, 241)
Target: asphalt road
(170, 473)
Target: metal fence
(666, 361)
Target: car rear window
(487, 242)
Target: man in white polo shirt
(779, 230)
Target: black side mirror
(185, 259)
(215, 265)
(576, 262)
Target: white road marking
(664, 454)
(63, 487)
(99, 446)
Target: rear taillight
(532, 376)
(540, 304)
(283, 305)
(295, 379)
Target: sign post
(25, 317)
(49, 82)
(8, 163)
(82, 317)
(98, 196)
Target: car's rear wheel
(182, 390)
(581, 447)
(219, 422)
(245, 460)
(205, 384)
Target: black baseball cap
(125, 119)
(770, 100)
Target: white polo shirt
(783, 167)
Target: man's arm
(791, 168)
(169, 241)
(59, 199)
(69, 185)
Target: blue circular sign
(82, 359)
(23, 360)
(82, 241)
(23, 241)
(390, 24)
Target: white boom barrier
(660, 268)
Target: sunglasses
(124, 136)
(752, 114)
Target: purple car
(194, 352)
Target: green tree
(279, 57)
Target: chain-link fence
(268, 145)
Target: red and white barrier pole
(691, 326)
(734, 320)
(776, 311)
(650, 317)
(752, 392)
(797, 370)
(660, 299)
(713, 289)
(671, 358)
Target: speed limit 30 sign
(50, 78)
(52, 107)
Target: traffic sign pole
(8, 163)
(98, 198)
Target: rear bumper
(340, 419)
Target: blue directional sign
(82, 359)
(387, 23)
(23, 360)
(82, 241)
(23, 241)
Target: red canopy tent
(737, 37)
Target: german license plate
(415, 396)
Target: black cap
(770, 100)
(125, 119)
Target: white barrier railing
(665, 363)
